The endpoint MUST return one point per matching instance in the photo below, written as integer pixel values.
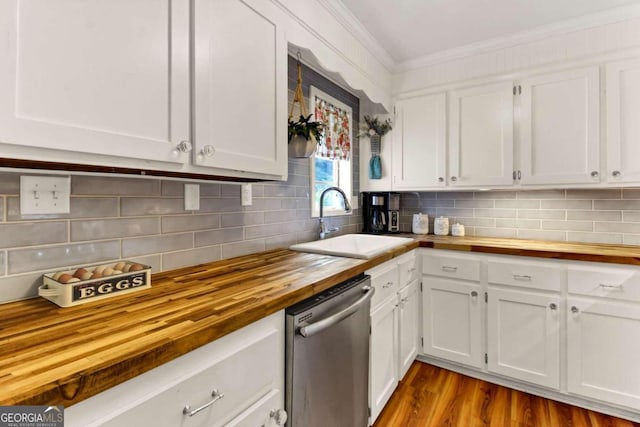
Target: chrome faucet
(347, 208)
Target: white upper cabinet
(419, 143)
(559, 132)
(623, 123)
(481, 136)
(98, 77)
(240, 86)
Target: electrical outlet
(43, 195)
(191, 197)
(246, 195)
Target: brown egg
(99, 269)
(96, 275)
(79, 272)
(119, 266)
(107, 271)
(64, 278)
(86, 275)
(57, 275)
(136, 267)
(73, 279)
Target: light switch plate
(246, 195)
(42, 195)
(191, 197)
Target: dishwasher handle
(327, 322)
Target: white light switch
(191, 197)
(246, 195)
(44, 195)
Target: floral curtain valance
(335, 142)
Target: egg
(73, 279)
(57, 275)
(64, 278)
(80, 272)
(86, 275)
(107, 271)
(127, 268)
(117, 272)
(136, 267)
(96, 275)
(99, 269)
(119, 266)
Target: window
(331, 164)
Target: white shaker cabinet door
(99, 77)
(383, 362)
(523, 339)
(481, 136)
(603, 345)
(452, 326)
(408, 326)
(240, 86)
(559, 131)
(623, 125)
(419, 143)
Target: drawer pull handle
(215, 394)
(617, 287)
(574, 309)
(522, 277)
(449, 269)
(553, 306)
(387, 285)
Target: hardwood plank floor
(429, 396)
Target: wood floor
(430, 396)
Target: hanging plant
(306, 128)
(375, 130)
(375, 127)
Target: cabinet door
(559, 132)
(481, 136)
(98, 77)
(603, 346)
(523, 339)
(383, 376)
(419, 143)
(452, 320)
(623, 126)
(240, 86)
(408, 326)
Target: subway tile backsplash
(593, 216)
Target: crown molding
(611, 16)
(352, 24)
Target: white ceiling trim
(351, 23)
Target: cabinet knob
(574, 309)
(594, 174)
(454, 178)
(206, 151)
(616, 174)
(279, 416)
(553, 306)
(474, 294)
(182, 147)
(440, 179)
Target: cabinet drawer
(407, 268)
(384, 278)
(609, 282)
(451, 266)
(526, 274)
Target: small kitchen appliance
(381, 212)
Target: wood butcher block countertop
(53, 355)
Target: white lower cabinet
(523, 340)
(562, 329)
(408, 326)
(383, 373)
(236, 380)
(452, 325)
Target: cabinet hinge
(519, 90)
(486, 297)
(486, 358)
(420, 286)
(369, 329)
(514, 91)
(514, 175)
(422, 342)
(369, 411)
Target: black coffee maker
(380, 212)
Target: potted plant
(303, 136)
(375, 130)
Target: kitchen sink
(362, 246)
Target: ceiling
(412, 29)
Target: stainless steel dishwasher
(327, 357)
